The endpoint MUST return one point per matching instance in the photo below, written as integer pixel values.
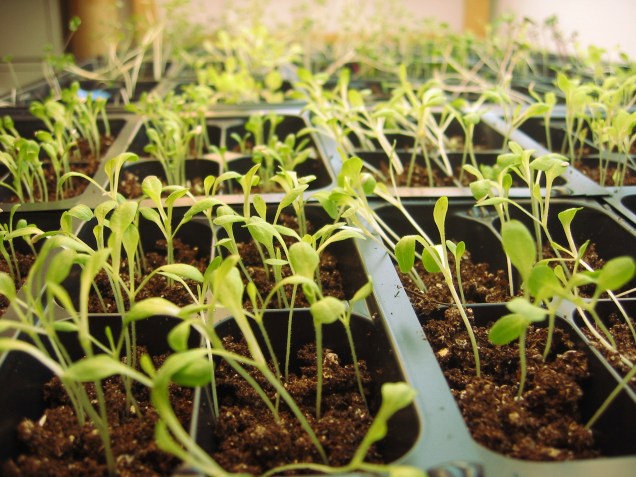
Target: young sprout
(11, 231)
(544, 288)
(170, 142)
(577, 99)
(435, 259)
(26, 178)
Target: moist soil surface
(625, 344)
(479, 282)
(419, 177)
(594, 173)
(87, 165)
(480, 285)
(57, 445)
(158, 285)
(247, 437)
(545, 423)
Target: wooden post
(145, 16)
(100, 22)
(476, 16)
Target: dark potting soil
(480, 285)
(594, 173)
(158, 285)
(419, 177)
(250, 440)
(544, 424)
(625, 344)
(57, 445)
(87, 165)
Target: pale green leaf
(327, 310)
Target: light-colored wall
(327, 12)
(609, 24)
(26, 26)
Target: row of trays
(431, 433)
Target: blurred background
(32, 29)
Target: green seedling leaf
(432, 258)
(175, 196)
(273, 80)
(457, 249)
(228, 285)
(615, 273)
(130, 240)
(537, 109)
(585, 278)
(261, 231)
(304, 259)
(103, 209)
(405, 253)
(81, 212)
(260, 206)
(178, 336)
(74, 23)
(473, 170)
(96, 368)
(228, 243)
(252, 294)
(115, 164)
(523, 307)
(224, 220)
(122, 217)
(480, 189)
(194, 373)
(406, 471)
(363, 292)
(345, 233)
(276, 262)
(368, 183)
(7, 286)
(351, 170)
(327, 310)
(547, 162)
(395, 396)
(439, 212)
(151, 186)
(543, 283)
(151, 215)
(567, 216)
(65, 326)
(563, 82)
(62, 241)
(508, 328)
(60, 266)
(355, 98)
(201, 206)
(519, 246)
(26, 231)
(208, 183)
(153, 306)
(508, 160)
(182, 270)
